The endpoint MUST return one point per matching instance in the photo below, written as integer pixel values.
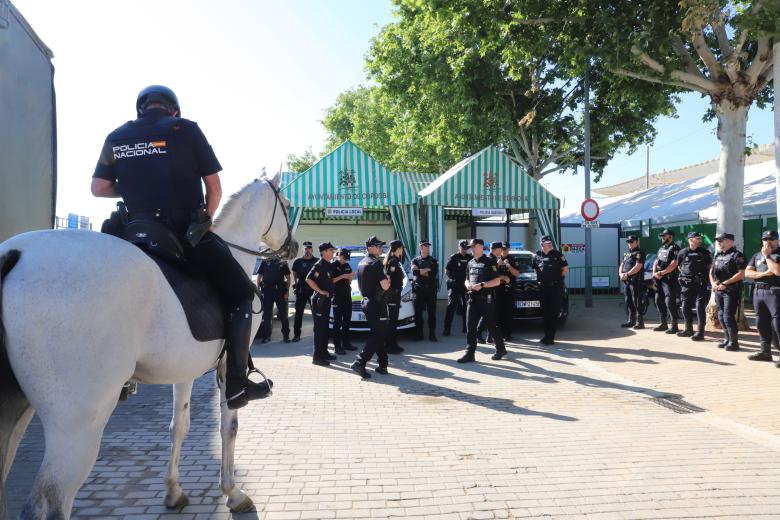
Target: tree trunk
(732, 123)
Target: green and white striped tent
(348, 177)
(488, 179)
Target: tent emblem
(347, 178)
(491, 181)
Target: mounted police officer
(456, 271)
(507, 266)
(764, 270)
(728, 271)
(551, 268)
(342, 301)
(373, 286)
(667, 287)
(425, 269)
(632, 272)
(158, 164)
(320, 280)
(273, 279)
(394, 270)
(694, 263)
(482, 281)
(303, 293)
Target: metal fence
(606, 281)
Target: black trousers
(376, 314)
(320, 310)
(666, 291)
(393, 308)
(728, 302)
(505, 306)
(425, 300)
(693, 295)
(635, 298)
(456, 302)
(342, 319)
(767, 306)
(304, 295)
(274, 296)
(550, 300)
(482, 306)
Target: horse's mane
(229, 206)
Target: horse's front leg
(180, 426)
(237, 500)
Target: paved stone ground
(569, 431)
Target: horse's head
(278, 236)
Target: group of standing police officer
(692, 272)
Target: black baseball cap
(505, 244)
(325, 246)
(694, 234)
(724, 236)
(477, 242)
(496, 245)
(307, 244)
(395, 244)
(345, 253)
(425, 242)
(545, 238)
(374, 241)
(666, 232)
(631, 238)
(464, 244)
(769, 234)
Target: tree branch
(743, 35)
(763, 55)
(682, 51)
(688, 86)
(685, 77)
(700, 44)
(723, 39)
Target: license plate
(361, 316)
(529, 303)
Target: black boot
(765, 354)
(688, 332)
(468, 357)
(699, 336)
(500, 352)
(630, 323)
(725, 340)
(360, 369)
(733, 344)
(640, 323)
(239, 390)
(661, 327)
(432, 336)
(673, 329)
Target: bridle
(267, 252)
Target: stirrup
(267, 382)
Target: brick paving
(562, 432)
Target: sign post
(586, 165)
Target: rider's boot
(238, 388)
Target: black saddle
(201, 303)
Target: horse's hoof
(179, 504)
(244, 507)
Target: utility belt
(552, 283)
(691, 282)
(456, 285)
(424, 286)
(774, 289)
(302, 288)
(197, 221)
(320, 304)
(483, 295)
(281, 286)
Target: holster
(200, 225)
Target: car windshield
(525, 264)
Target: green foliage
(301, 163)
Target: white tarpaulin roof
(691, 200)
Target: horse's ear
(262, 174)
(276, 179)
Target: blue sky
(256, 75)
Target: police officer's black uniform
(456, 270)
(425, 289)
(303, 293)
(766, 300)
(274, 273)
(481, 269)
(694, 264)
(156, 164)
(506, 303)
(549, 274)
(635, 285)
(395, 271)
(342, 304)
(726, 264)
(322, 275)
(667, 288)
(499, 296)
(370, 275)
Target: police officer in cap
(667, 287)
(456, 271)
(551, 268)
(374, 284)
(163, 180)
(425, 269)
(694, 263)
(764, 270)
(273, 279)
(499, 295)
(303, 293)
(342, 301)
(728, 271)
(632, 272)
(320, 280)
(394, 270)
(507, 266)
(482, 281)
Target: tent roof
(690, 200)
(348, 177)
(488, 179)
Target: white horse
(84, 312)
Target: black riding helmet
(157, 94)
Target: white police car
(359, 322)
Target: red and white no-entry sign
(590, 210)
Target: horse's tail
(15, 409)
